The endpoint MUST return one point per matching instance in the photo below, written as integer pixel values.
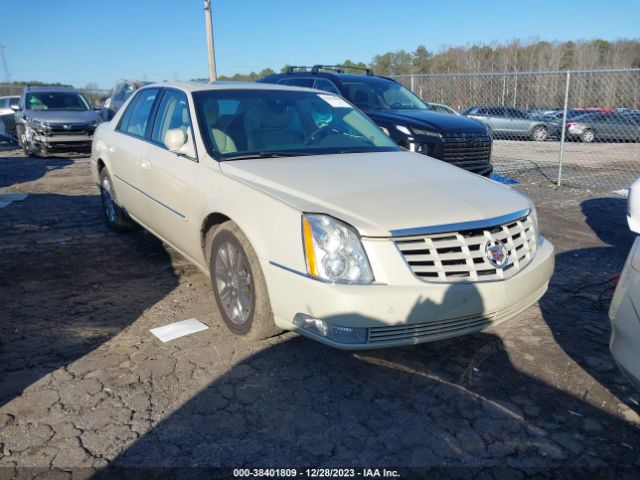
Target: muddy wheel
(238, 284)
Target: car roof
(10, 96)
(228, 85)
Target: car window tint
(515, 113)
(326, 85)
(300, 82)
(136, 118)
(173, 112)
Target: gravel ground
(84, 384)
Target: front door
(167, 179)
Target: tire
(115, 216)
(588, 136)
(238, 284)
(539, 133)
(30, 149)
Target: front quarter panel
(272, 227)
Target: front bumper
(63, 142)
(405, 310)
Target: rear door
(520, 121)
(167, 179)
(124, 147)
(498, 120)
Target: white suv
(309, 218)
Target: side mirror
(15, 108)
(633, 207)
(175, 139)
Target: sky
(100, 41)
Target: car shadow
(577, 311)
(19, 169)
(67, 285)
(459, 402)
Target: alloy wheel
(233, 282)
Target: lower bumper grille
(451, 327)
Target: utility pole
(212, 53)
(7, 74)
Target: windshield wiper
(276, 154)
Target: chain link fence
(573, 128)
(9, 95)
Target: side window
(300, 82)
(173, 113)
(326, 85)
(136, 118)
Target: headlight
(37, 124)
(403, 129)
(333, 251)
(426, 133)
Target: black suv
(403, 116)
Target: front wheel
(588, 136)
(539, 133)
(238, 284)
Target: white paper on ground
(622, 192)
(7, 198)
(178, 329)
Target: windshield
(381, 94)
(68, 101)
(261, 123)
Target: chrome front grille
(461, 256)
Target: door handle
(145, 164)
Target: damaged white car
(308, 218)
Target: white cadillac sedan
(308, 218)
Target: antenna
(7, 73)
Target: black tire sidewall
(227, 236)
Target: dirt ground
(84, 384)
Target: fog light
(337, 333)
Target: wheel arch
(210, 221)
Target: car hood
(427, 119)
(379, 192)
(52, 116)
